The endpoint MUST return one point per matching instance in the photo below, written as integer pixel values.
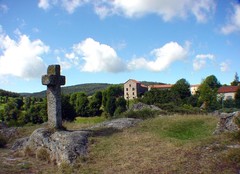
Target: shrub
(3, 141)
(184, 109)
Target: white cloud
(96, 57)
(64, 64)
(224, 66)
(164, 57)
(44, 4)
(71, 5)
(200, 61)
(166, 9)
(72, 58)
(68, 5)
(233, 25)
(21, 58)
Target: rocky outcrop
(228, 122)
(67, 146)
(8, 132)
(141, 106)
(62, 146)
(119, 124)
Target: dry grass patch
(83, 122)
(170, 144)
(177, 144)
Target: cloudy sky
(111, 41)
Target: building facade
(194, 89)
(227, 92)
(133, 89)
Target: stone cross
(54, 80)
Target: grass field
(169, 144)
(83, 122)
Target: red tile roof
(161, 86)
(144, 86)
(228, 89)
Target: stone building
(133, 89)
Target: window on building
(126, 89)
(133, 93)
(229, 97)
(133, 89)
(129, 85)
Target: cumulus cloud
(233, 25)
(71, 5)
(200, 61)
(68, 5)
(163, 58)
(166, 9)
(64, 63)
(93, 56)
(96, 57)
(21, 58)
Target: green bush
(184, 109)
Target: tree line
(31, 110)
(205, 99)
(18, 110)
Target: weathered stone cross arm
(53, 76)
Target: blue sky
(100, 41)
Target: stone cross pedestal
(54, 80)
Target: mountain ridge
(88, 88)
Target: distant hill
(8, 93)
(88, 88)
(146, 83)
